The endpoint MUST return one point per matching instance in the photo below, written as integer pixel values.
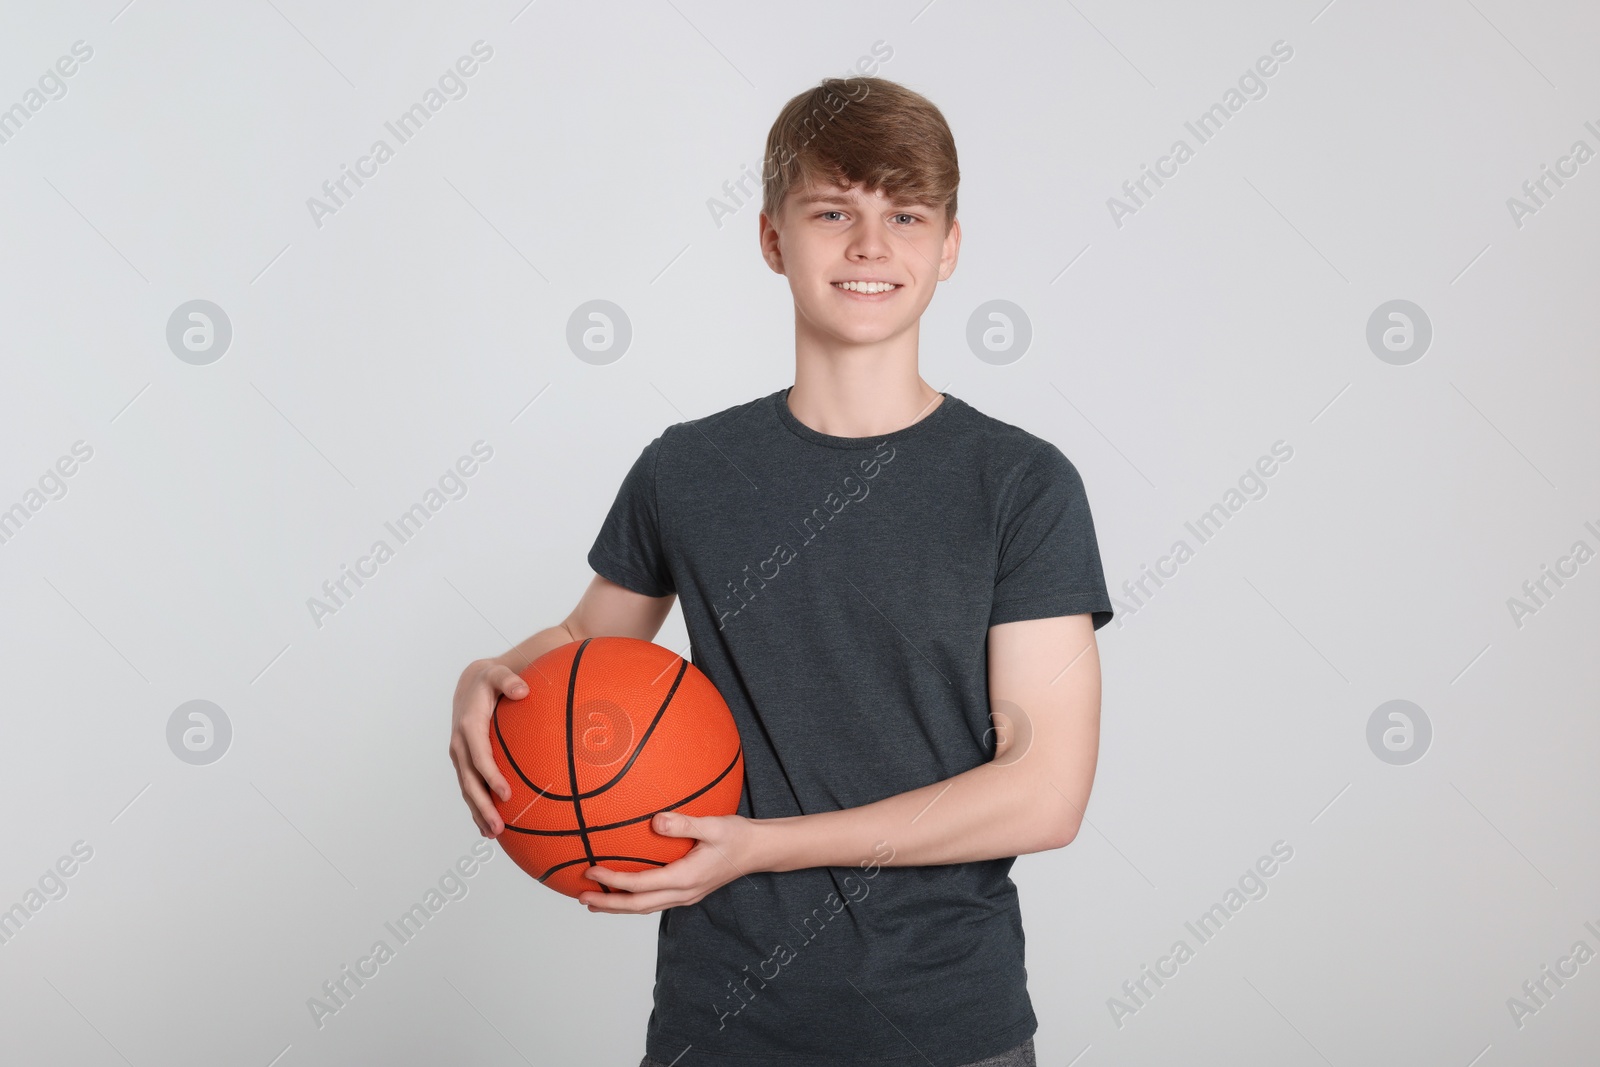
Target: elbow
(1057, 832)
(1062, 832)
(1064, 819)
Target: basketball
(612, 731)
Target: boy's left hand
(724, 850)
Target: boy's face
(826, 236)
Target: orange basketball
(613, 730)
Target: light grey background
(1168, 354)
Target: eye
(825, 214)
(904, 215)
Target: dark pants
(1021, 1056)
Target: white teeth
(866, 287)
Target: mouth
(870, 291)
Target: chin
(872, 336)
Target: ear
(767, 240)
(950, 251)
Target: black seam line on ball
(572, 759)
(683, 668)
(629, 822)
(602, 859)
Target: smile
(866, 288)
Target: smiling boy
(867, 569)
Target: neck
(860, 390)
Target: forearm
(990, 811)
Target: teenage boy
(867, 568)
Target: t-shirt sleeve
(1049, 560)
(629, 549)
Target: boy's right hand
(477, 693)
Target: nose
(869, 239)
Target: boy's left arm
(1044, 692)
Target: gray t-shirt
(838, 592)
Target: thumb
(673, 824)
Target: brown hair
(867, 130)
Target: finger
(476, 732)
(479, 800)
(507, 681)
(501, 680)
(485, 827)
(457, 760)
(653, 880)
(675, 824)
(632, 903)
(476, 818)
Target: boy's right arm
(605, 610)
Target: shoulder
(1011, 453)
(719, 424)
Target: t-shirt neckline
(780, 406)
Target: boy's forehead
(832, 194)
